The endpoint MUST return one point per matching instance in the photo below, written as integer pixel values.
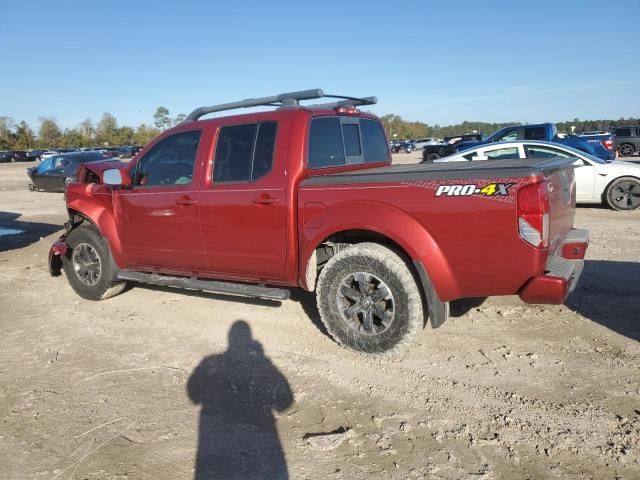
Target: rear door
(243, 203)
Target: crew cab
(305, 197)
(600, 146)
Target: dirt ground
(159, 384)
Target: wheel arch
(605, 190)
(389, 227)
(104, 221)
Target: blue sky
(438, 62)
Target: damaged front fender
(56, 251)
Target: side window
(325, 143)
(544, 152)
(374, 143)
(508, 136)
(170, 162)
(502, 154)
(535, 133)
(244, 152)
(623, 132)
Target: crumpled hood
(100, 166)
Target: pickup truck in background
(448, 146)
(305, 197)
(600, 146)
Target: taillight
(533, 214)
(608, 144)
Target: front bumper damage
(562, 273)
(56, 251)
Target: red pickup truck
(305, 197)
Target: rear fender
(381, 219)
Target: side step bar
(243, 289)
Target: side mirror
(115, 176)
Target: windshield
(588, 156)
(45, 165)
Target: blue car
(600, 146)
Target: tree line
(403, 130)
(106, 132)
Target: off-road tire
(387, 266)
(619, 187)
(104, 287)
(626, 150)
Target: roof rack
(286, 100)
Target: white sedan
(597, 181)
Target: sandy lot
(155, 383)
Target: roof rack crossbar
(348, 102)
(284, 99)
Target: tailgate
(561, 186)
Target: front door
(243, 204)
(158, 222)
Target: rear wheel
(87, 264)
(369, 300)
(623, 194)
(431, 157)
(626, 150)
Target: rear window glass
(325, 143)
(374, 143)
(335, 142)
(351, 134)
(623, 132)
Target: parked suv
(627, 140)
(306, 197)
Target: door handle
(265, 199)
(185, 201)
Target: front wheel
(369, 300)
(623, 194)
(87, 264)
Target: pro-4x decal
(489, 190)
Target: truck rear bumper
(562, 272)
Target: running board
(214, 286)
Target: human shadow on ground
(16, 234)
(609, 293)
(239, 390)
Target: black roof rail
(291, 99)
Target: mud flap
(438, 310)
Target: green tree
(144, 134)
(49, 133)
(87, 131)
(6, 132)
(161, 118)
(179, 118)
(72, 138)
(24, 136)
(107, 129)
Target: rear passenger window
(333, 140)
(244, 152)
(535, 133)
(623, 132)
